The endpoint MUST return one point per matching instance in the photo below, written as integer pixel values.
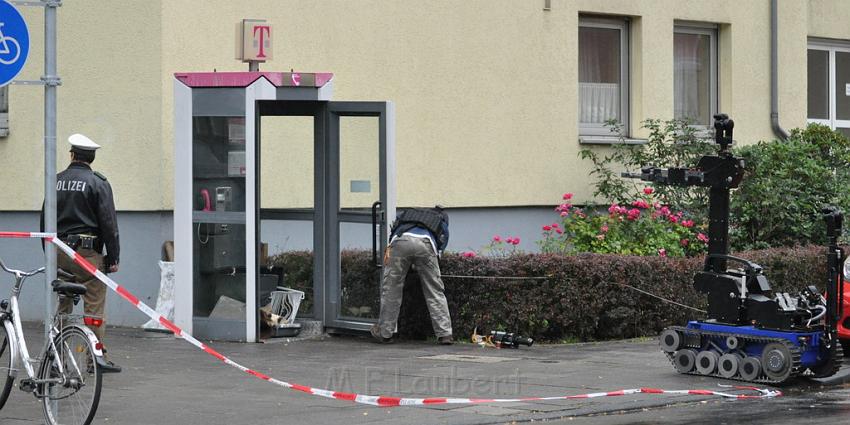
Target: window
(829, 85)
(695, 74)
(603, 75)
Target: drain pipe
(774, 72)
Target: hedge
(576, 298)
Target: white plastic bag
(165, 300)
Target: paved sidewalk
(168, 381)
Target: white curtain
(690, 88)
(599, 74)
(599, 102)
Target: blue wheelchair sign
(14, 42)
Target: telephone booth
(276, 186)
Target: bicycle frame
(21, 343)
(17, 343)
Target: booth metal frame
(255, 95)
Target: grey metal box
(222, 252)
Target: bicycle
(68, 380)
(5, 50)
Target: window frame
(711, 30)
(830, 81)
(621, 24)
(830, 46)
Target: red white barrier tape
(359, 398)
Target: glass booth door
(361, 204)
(323, 223)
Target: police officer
(86, 221)
(418, 237)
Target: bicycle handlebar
(20, 272)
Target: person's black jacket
(84, 205)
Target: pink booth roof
(245, 79)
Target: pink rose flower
(564, 214)
(702, 238)
(554, 225)
(662, 252)
(673, 219)
(468, 254)
(688, 223)
(516, 240)
(497, 238)
(640, 203)
(604, 228)
(559, 231)
(547, 228)
(568, 196)
(684, 242)
(648, 190)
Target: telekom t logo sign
(262, 35)
(254, 40)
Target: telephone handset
(206, 202)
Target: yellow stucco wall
(485, 90)
(109, 62)
(287, 155)
(829, 19)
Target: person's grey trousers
(403, 252)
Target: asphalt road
(168, 381)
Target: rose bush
(642, 227)
(499, 247)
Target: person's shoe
(445, 340)
(376, 335)
(107, 366)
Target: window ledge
(609, 140)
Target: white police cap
(80, 142)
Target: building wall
(109, 62)
(486, 99)
(828, 19)
(485, 91)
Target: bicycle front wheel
(6, 378)
(72, 395)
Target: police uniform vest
(429, 219)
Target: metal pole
(51, 80)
